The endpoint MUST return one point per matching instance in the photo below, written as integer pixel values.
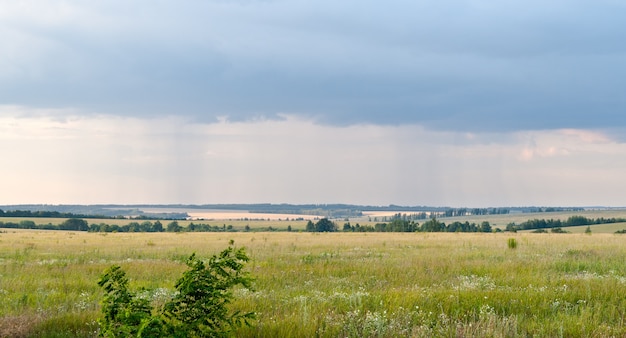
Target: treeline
(455, 212)
(402, 216)
(45, 214)
(401, 225)
(78, 224)
(450, 212)
(557, 223)
(157, 226)
(550, 209)
(111, 214)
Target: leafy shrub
(198, 309)
(123, 311)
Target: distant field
(335, 285)
(502, 220)
(214, 214)
(248, 215)
(598, 228)
(595, 229)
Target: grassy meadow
(335, 284)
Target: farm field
(335, 284)
(236, 224)
(597, 228)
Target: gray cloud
(452, 65)
(170, 160)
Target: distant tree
(310, 227)
(558, 231)
(27, 224)
(454, 227)
(511, 227)
(401, 225)
(173, 227)
(157, 226)
(578, 220)
(485, 227)
(433, 225)
(325, 225)
(588, 230)
(134, 227)
(74, 224)
(380, 227)
(147, 226)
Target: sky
(441, 103)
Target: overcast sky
(444, 103)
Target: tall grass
(512, 243)
(342, 284)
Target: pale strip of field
(386, 213)
(597, 228)
(238, 215)
(224, 214)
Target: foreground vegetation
(333, 284)
(198, 308)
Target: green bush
(198, 309)
(123, 311)
(558, 231)
(512, 243)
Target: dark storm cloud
(457, 65)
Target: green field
(335, 285)
(598, 228)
